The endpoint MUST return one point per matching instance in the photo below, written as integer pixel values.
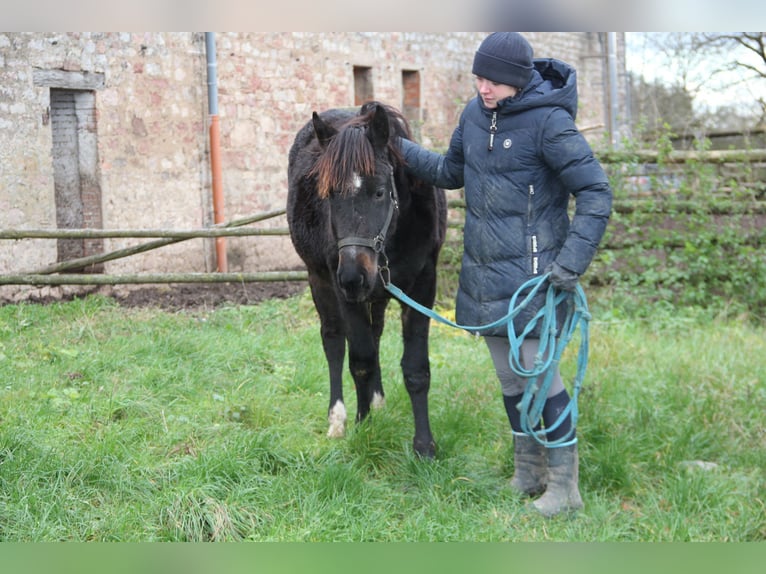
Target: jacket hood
(553, 83)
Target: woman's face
(492, 92)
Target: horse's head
(356, 174)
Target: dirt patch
(171, 297)
(193, 296)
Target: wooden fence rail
(681, 156)
(45, 276)
(93, 279)
(83, 262)
(56, 274)
(103, 233)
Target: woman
(518, 155)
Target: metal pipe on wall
(215, 148)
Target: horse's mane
(350, 151)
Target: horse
(359, 220)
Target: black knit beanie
(505, 58)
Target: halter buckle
(384, 271)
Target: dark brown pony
(357, 219)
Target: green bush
(693, 238)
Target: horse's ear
(379, 128)
(323, 131)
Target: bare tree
(705, 66)
(749, 56)
(658, 107)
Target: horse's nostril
(351, 280)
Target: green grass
(144, 425)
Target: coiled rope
(540, 375)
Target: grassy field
(145, 425)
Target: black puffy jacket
(517, 193)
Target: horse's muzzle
(357, 272)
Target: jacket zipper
(533, 237)
(492, 131)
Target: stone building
(110, 130)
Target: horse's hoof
(427, 450)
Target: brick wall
(151, 119)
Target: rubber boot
(562, 493)
(530, 465)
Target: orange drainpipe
(215, 150)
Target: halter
(378, 242)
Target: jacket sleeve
(445, 171)
(568, 154)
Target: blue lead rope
(548, 355)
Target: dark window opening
(411, 94)
(411, 100)
(363, 89)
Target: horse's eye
(379, 192)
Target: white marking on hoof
(337, 420)
(378, 401)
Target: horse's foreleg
(334, 348)
(334, 345)
(417, 377)
(365, 370)
(364, 324)
(378, 316)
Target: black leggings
(514, 385)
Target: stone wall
(151, 115)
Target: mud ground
(169, 297)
